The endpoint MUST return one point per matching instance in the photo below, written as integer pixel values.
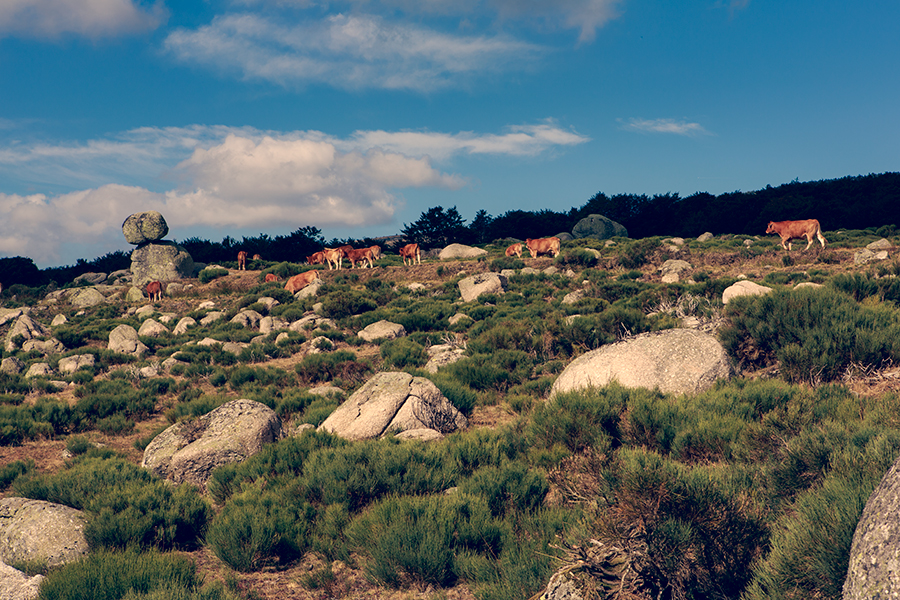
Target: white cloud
(93, 19)
(665, 126)
(349, 51)
(235, 178)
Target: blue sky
(237, 117)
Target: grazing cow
(411, 252)
(514, 250)
(376, 252)
(257, 257)
(317, 258)
(242, 261)
(789, 230)
(154, 291)
(272, 277)
(363, 255)
(333, 256)
(548, 245)
(298, 282)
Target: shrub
(329, 366)
(346, 303)
(581, 420)
(257, 529)
(813, 334)
(207, 275)
(416, 539)
(509, 488)
(115, 575)
(403, 352)
(129, 506)
(9, 472)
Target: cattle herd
(808, 229)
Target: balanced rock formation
(394, 402)
(677, 361)
(189, 451)
(34, 531)
(160, 261)
(144, 227)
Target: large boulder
(26, 327)
(16, 585)
(744, 288)
(673, 269)
(124, 339)
(394, 402)
(70, 364)
(160, 261)
(441, 355)
(382, 330)
(189, 451)
(34, 531)
(598, 226)
(454, 251)
(482, 283)
(90, 278)
(144, 227)
(86, 297)
(874, 570)
(677, 361)
(152, 328)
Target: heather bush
(402, 353)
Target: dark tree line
(858, 202)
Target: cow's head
(771, 227)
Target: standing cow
(363, 255)
(333, 256)
(411, 252)
(242, 261)
(791, 230)
(154, 291)
(548, 245)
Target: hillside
(516, 345)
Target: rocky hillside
(71, 384)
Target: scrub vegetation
(749, 490)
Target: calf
(298, 282)
(548, 245)
(411, 252)
(154, 291)
(257, 257)
(363, 255)
(789, 230)
(272, 277)
(514, 250)
(317, 258)
(242, 261)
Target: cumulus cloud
(350, 51)
(665, 126)
(94, 19)
(235, 178)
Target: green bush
(128, 505)
(324, 367)
(107, 575)
(9, 472)
(414, 540)
(813, 334)
(581, 420)
(510, 488)
(346, 303)
(403, 352)
(259, 528)
(207, 275)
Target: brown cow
(363, 255)
(548, 245)
(317, 258)
(411, 252)
(272, 277)
(154, 291)
(333, 256)
(514, 250)
(298, 282)
(376, 252)
(789, 230)
(257, 257)
(242, 261)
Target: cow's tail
(819, 235)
